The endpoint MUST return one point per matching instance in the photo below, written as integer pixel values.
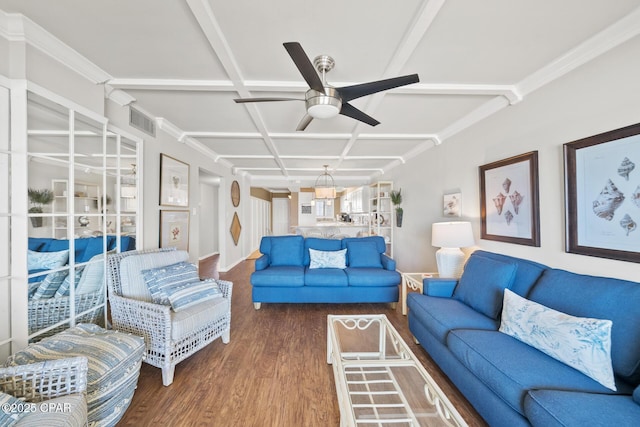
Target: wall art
(174, 182)
(174, 229)
(509, 204)
(602, 181)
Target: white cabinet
(381, 212)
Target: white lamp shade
(325, 192)
(456, 234)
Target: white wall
(208, 212)
(600, 96)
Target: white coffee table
(379, 381)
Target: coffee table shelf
(383, 384)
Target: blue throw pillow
(483, 283)
(50, 285)
(64, 289)
(328, 259)
(286, 251)
(46, 260)
(159, 279)
(187, 295)
(636, 395)
(363, 254)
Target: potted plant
(396, 199)
(39, 198)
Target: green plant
(39, 198)
(396, 198)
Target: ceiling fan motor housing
(323, 105)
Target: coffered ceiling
(185, 61)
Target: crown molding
(17, 27)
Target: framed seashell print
(509, 201)
(602, 197)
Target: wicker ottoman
(114, 360)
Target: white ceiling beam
(209, 25)
(424, 17)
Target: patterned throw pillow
(46, 260)
(64, 289)
(327, 259)
(187, 295)
(580, 342)
(170, 276)
(49, 286)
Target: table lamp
(450, 237)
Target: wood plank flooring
(273, 372)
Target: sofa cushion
(580, 342)
(325, 277)
(131, 277)
(327, 259)
(288, 276)
(375, 277)
(527, 273)
(482, 284)
(510, 367)
(363, 254)
(286, 251)
(600, 298)
(320, 245)
(165, 280)
(197, 317)
(187, 295)
(441, 315)
(636, 395)
(561, 408)
(381, 246)
(46, 260)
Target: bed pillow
(186, 295)
(580, 342)
(327, 259)
(363, 254)
(46, 260)
(174, 275)
(482, 283)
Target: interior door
(280, 215)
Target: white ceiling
(185, 62)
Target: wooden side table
(414, 282)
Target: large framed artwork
(174, 229)
(174, 182)
(509, 200)
(602, 194)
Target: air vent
(142, 122)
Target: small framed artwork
(174, 229)
(602, 182)
(452, 204)
(174, 182)
(509, 204)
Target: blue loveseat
(285, 274)
(509, 382)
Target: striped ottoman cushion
(114, 360)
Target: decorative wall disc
(235, 193)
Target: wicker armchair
(47, 312)
(62, 383)
(169, 337)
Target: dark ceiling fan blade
(351, 111)
(304, 65)
(241, 100)
(349, 93)
(304, 122)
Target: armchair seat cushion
(325, 277)
(375, 277)
(197, 317)
(68, 411)
(284, 276)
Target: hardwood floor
(273, 372)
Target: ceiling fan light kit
(324, 101)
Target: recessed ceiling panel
(310, 147)
(383, 147)
(372, 164)
(236, 146)
(253, 163)
(503, 41)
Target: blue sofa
(283, 274)
(511, 383)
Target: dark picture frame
(174, 182)
(602, 194)
(174, 229)
(509, 200)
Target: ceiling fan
(323, 100)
